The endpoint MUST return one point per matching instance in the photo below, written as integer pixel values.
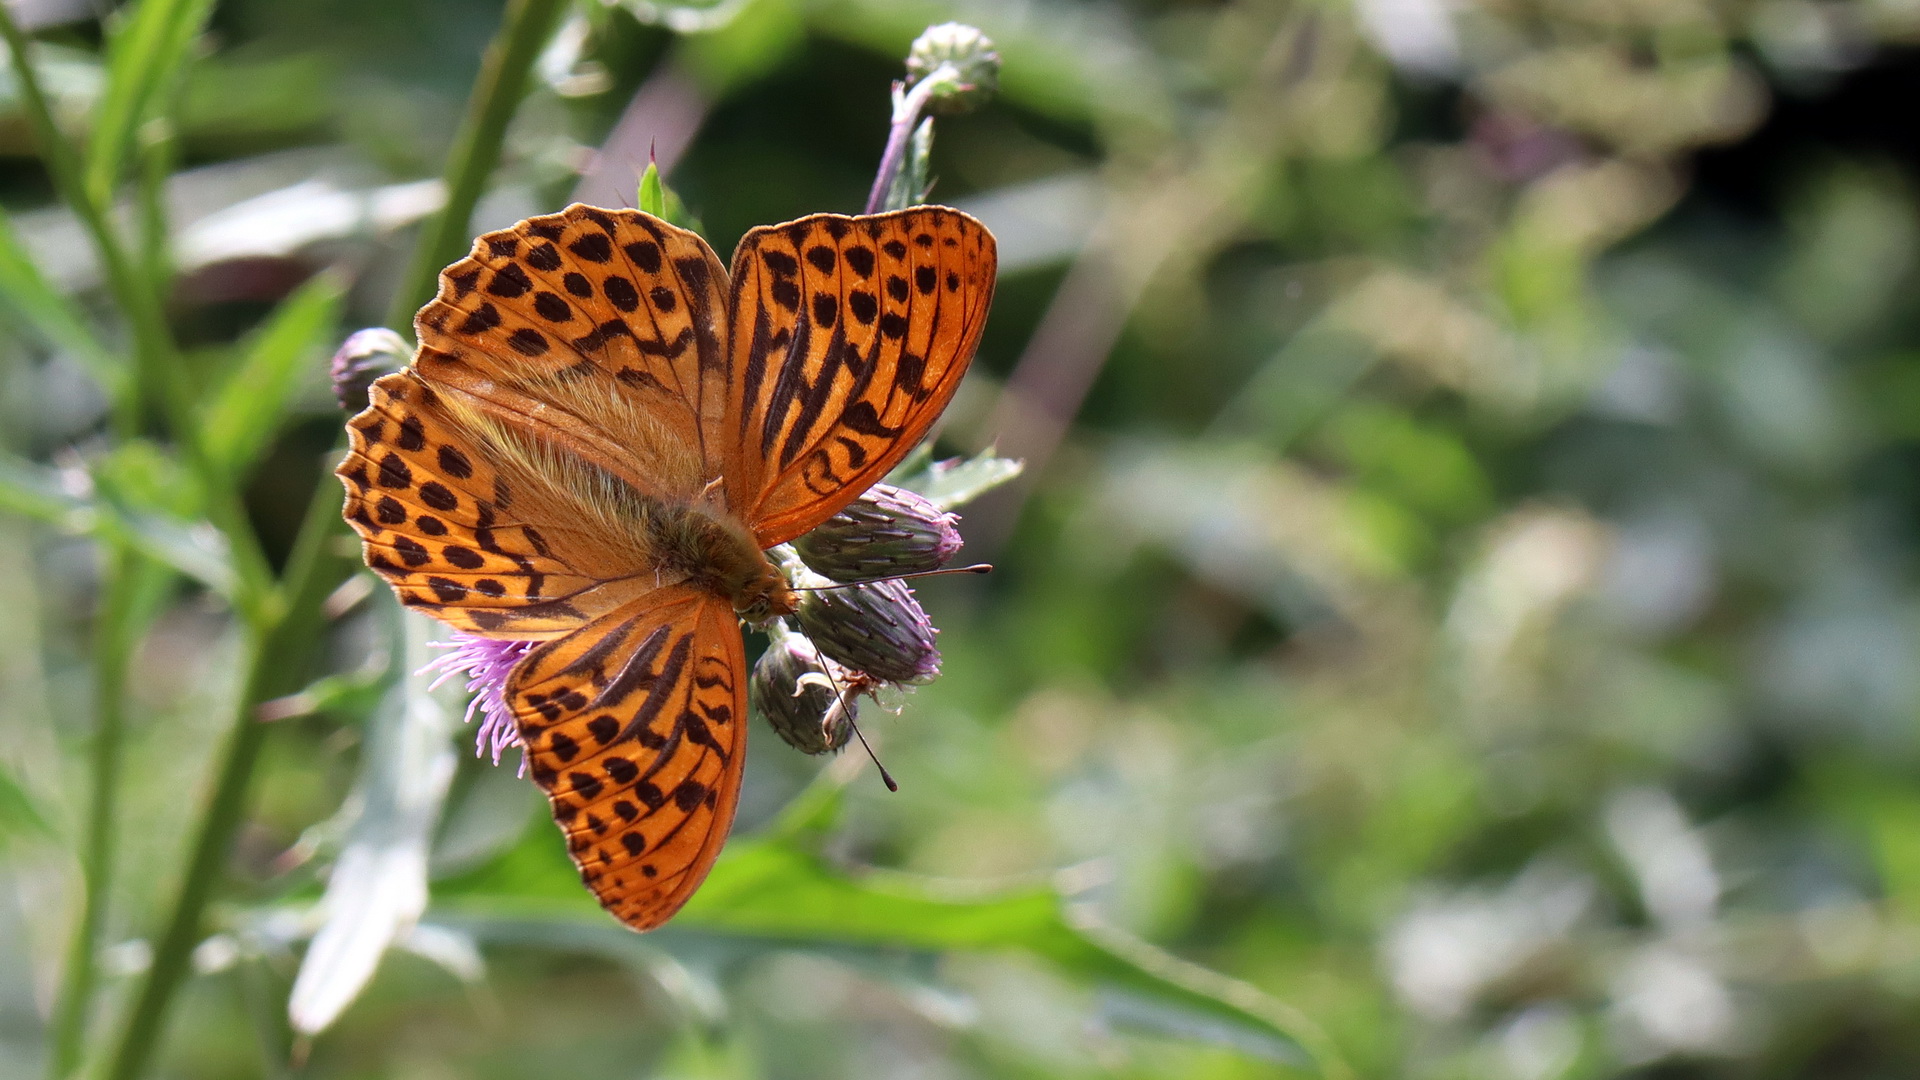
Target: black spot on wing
(621, 292)
(509, 281)
(645, 255)
(593, 247)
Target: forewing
(601, 331)
(635, 726)
(458, 540)
(848, 338)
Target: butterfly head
(765, 596)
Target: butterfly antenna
(843, 699)
(885, 777)
(976, 568)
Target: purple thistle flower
(486, 663)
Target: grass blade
(25, 291)
(147, 55)
(248, 408)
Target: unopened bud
(960, 63)
(363, 357)
(878, 628)
(791, 688)
(887, 532)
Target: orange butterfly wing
(453, 537)
(848, 338)
(636, 729)
(600, 331)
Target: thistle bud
(886, 532)
(878, 628)
(959, 62)
(363, 357)
(791, 689)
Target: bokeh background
(1458, 620)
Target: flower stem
(524, 31)
(907, 107)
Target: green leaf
(772, 889)
(145, 59)
(20, 814)
(247, 409)
(194, 548)
(956, 482)
(652, 200)
(26, 292)
(35, 491)
(661, 201)
(348, 696)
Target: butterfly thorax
(717, 553)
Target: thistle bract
(791, 688)
(364, 357)
(884, 533)
(961, 64)
(878, 628)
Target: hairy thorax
(717, 553)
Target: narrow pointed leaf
(25, 291)
(949, 484)
(194, 548)
(248, 408)
(146, 56)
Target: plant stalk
(284, 634)
(276, 664)
(907, 107)
(524, 31)
(152, 340)
(113, 641)
(155, 375)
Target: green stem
(157, 161)
(156, 373)
(524, 31)
(113, 640)
(907, 106)
(276, 664)
(286, 633)
(152, 339)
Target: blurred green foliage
(1458, 619)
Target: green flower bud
(959, 63)
(364, 357)
(886, 532)
(877, 628)
(791, 689)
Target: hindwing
(635, 726)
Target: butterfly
(601, 433)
